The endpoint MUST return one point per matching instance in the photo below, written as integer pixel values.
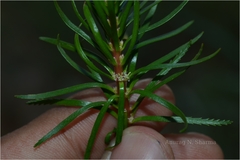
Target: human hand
(141, 141)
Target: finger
(150, 107)
(194, 146)
(69, 143)
(140, 142)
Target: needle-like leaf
(101, 43)
(134, 31)
(123, 17)
(67, 121)
(96, 126)
(75, 65)
(60, 102)
(67, 90)
(142, 10)
(73, 26)
(190, 120)
(71, 47)
(165, 103)
(177, 65)
(133, 63)
(79, 15)
(114, 25)
(179, 51)
(86, 59)
(121, 116)
(147, 21)
(165, 36)
(102, 17)
(168, 17)
(109, 135)
(154, 85)
(63, 44)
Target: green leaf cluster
(104, 26)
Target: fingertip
(140, 142)
(194, 145)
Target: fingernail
(107, 153)
(137, 146)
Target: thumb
(140, 142)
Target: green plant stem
(121, 83)
(118, 68)
(119, 71)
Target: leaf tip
(229, 122)
(37, 144)
(184, 129)
(18, 96)
(191, 22)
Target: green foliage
(190, 120)
(103, 25)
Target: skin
(140, 141)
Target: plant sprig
(118, 56)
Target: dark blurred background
(208, 90)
